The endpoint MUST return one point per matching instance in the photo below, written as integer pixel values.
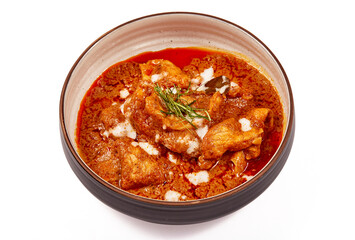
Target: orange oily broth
(102, 154)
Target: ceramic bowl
(156, 32)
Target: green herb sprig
(171, 98)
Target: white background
(312, 198)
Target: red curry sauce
(106, 153)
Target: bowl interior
(158, 32)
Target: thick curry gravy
(123, 136)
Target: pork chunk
(136, 101)
(215, 105)
(107, 166)
(164, 73)
(238, 159)
(184, 142)
(139, 169)
(258, 116)
(227, 136)
(134, 110)
(111, 116)
(232, 135)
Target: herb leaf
(171, 98)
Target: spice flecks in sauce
(178, 173)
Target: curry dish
(179, 124)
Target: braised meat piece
(233, 135)
(111, 116)
(226, 136)
(184, 142)
(215, 105)
(138, 169)
(238, 159)
(107, 165)
(164, 73)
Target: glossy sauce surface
(169, 172)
